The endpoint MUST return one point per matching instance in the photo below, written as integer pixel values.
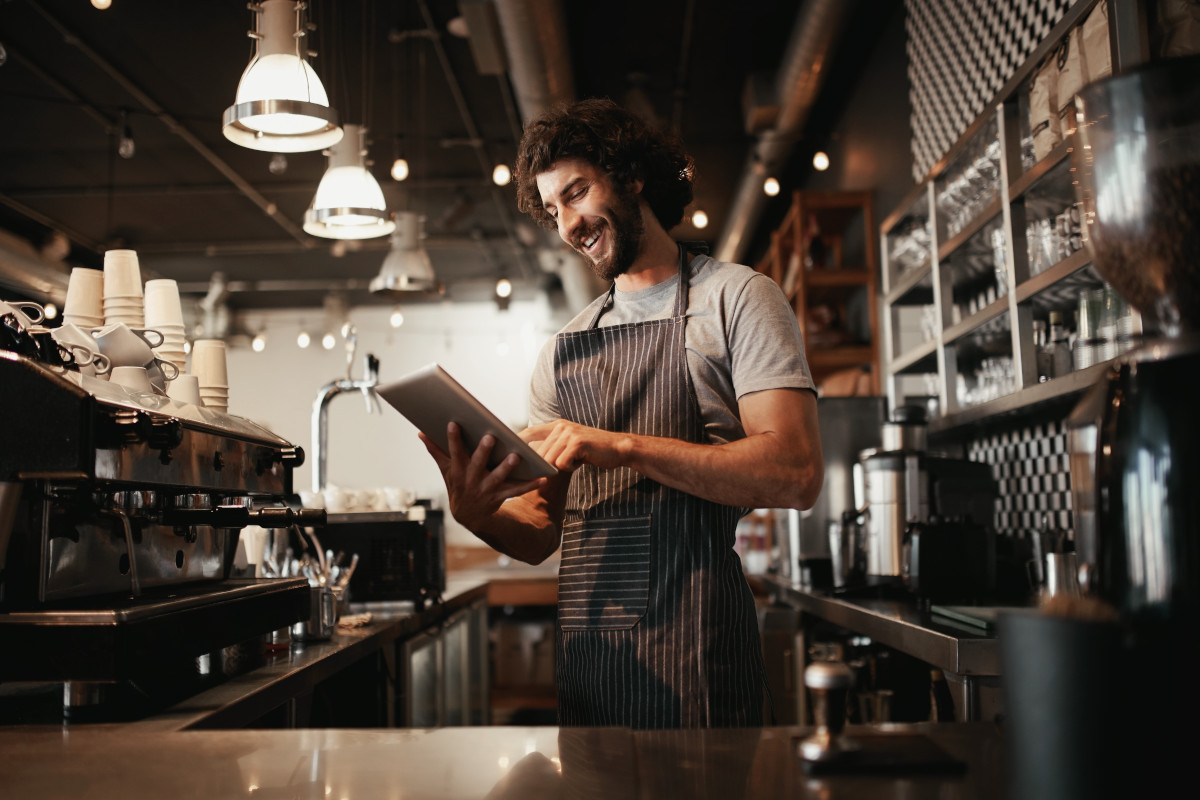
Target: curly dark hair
(617, 141)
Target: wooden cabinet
(825, 258)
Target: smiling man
(674, 403)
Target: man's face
(601, 221)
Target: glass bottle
(1058, 346)
(1041, 353)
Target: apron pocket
(604, 577)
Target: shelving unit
(824, 256)
(957, 249)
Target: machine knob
(829, 683)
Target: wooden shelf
(836, 215)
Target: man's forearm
(755, 472)
(526, 528)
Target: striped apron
(657, 626)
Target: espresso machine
(1135, 435)
(120, 514)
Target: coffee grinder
(1135, 435)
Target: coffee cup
(185, 389)
(126, 346)
(162, 305)
(135, 378)
(161, 372)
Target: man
(671, 405)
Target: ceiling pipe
(535, 37)
(803, 69)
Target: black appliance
(400, 559)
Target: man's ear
(636, 185)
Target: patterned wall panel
(960, 54)
(1031, 466)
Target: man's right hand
(475, 492)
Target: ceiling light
(501, 175)
(397, 318)
(407, 267)
(303, 340)
(281, 105)
(349, 203)
(328, 341)
(771, 187)
(504, 288)
(50, 311)
(699, 219)
(820, 161)
(399, 169)
(125, 145)
(259, 343)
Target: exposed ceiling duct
(23, 269)
(802, 71)
(535, 36)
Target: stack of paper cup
(164, 314)
(208, 365)
(84, 306)
(123, 289)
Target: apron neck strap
(681, 291)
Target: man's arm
(520, 519)
(777, 465)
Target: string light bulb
(396, 319)
(303, 340)
(101, 4)
(328, 341)
(399, 169)
(699, 219)
(501, 175)
(820, 161)
(259, 342)
(771, 187)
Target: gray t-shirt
(741, 337)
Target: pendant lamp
(281, 105)
(407, 268)
(349, 203)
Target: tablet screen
(431, 399)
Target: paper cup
(162, 303)
(85, 293)
(208, 363)
(122, 275)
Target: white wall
(491, 352)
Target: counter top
(450, 763)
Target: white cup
(185, 389)
(162, 304)
(208, 363)
(122, 275)
(135, 378)
(126, 346)
(85, 293)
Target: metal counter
(970, 659)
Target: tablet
(431, 399)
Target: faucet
(320, 414)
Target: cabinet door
(421, 705)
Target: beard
(626, 227)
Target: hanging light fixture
(281, 105)
(407, 267)
(349, 203)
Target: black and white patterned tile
(960, 54)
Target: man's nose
(568, 221)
